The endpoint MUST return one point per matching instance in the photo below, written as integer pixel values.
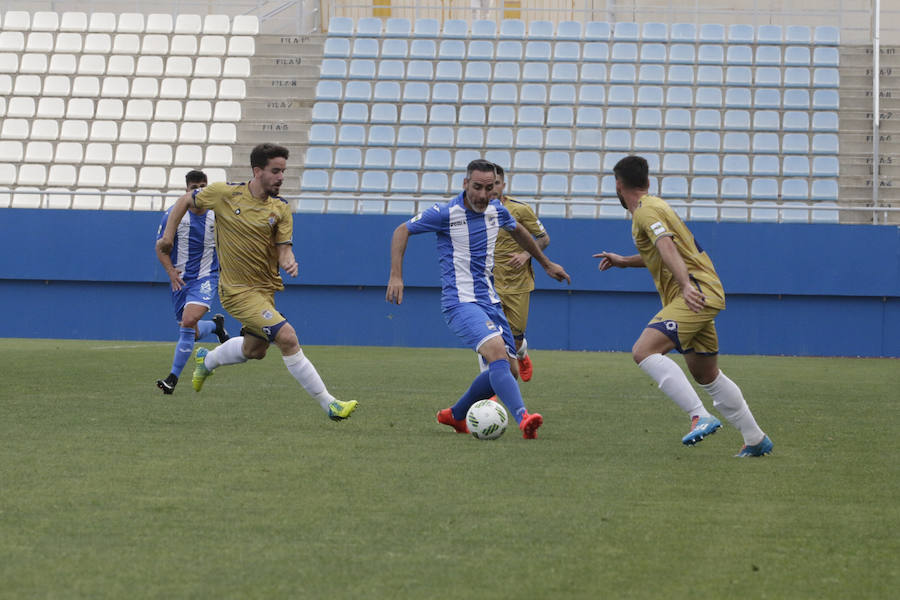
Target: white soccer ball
(487, 420)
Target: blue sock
(205, 328)
(183, 349)
(479, 390)
(507, 389)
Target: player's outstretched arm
(165, 243)
(398, 248)
(524, 239)
(611, 259)
(286, 259)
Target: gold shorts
(515, 307)
(690, 331)
(255, 310)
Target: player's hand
(558, 273)
(518, 260)
(290, 266)
(177, 281)
(693, 298)
(164, 245)
(609, 260)
(394, 293)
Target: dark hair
(263, 153)
(633, 172)
(498, 171)
(479, 164)
(195, 176)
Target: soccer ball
(487, 420)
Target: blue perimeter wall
(829, 290)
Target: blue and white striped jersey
(465, 244)
(194, 251)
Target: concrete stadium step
(282, 109)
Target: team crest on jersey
(271, 219)
(492, 221)
(490, 325)
(267, 314)
(416, 218)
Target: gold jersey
(654, 219)
(247, 231)
(508, 279)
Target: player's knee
(638, 353)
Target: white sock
(728, 400)
(305, 373)
(229, 353)
(674, 384)
(482, 364)
(523, 351)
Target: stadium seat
(674, 141)
(795, 99)
(434, 183)
(736, 164)
(595, 52)
(556, 139)
(825, 212)
(647, 141)
(682, 54)
(676, 164)
(524, 184)
(768, 98)
(619, 118)
(706, 164)
(534, 72)
(592, 95)
(481, 50)
(620, 95)
(797, 56)
(680, 75)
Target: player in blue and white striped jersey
(193, 270)
(467, 229)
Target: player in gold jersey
(692, 296)
(254, 231)
(513, 274)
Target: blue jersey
(194, 251)
(465, 244)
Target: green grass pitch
(108, 489)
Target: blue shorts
(197, 291)
(476, 323)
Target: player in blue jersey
(467, 229)
(193, 270)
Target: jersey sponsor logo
(490, 325)
(658, 228)
(267, 314)
(458, 223)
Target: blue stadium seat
(624, 52)
(704, 188)
(377, 158)
(453, 29)
(362, 69)
(734, 188)
(365, 48)
(481, 50)
(768, 77)
(648, 141)
(827, 35)
(767, 98)
(340, 27)
(330, 90)
(794, 166)
(796, 77)
(512, 29)
(676, 164)
(769, 34)
(592, 95)
(355, 112)
(404, 182)
(358, 91)
(589, 116)
(537, 51)
(736, 164)
(504, 93)
(560, 116)
(652, 74)
(456, 181)
(736, 142)
(434, 183)
(322, 135)
(653, 53)
(475, 93)
(344, 181)
(445, 93)
(712, 97)
(527, 160)
(557, 139)
(796, 56)
(738, 76)
(681, 54)
(463, 157)
(795, 120)
(795, 99)
(325, 112)
(595, 52)
(620, 95)
(540, 30)
(375, 182)
(610, 159)
(411, 136)
(557, 162)
(530, 116)
(711, 33)
(608, 186)
(825, 166)
(369, 27)
(655, 32)
(396, 49)
(449, 50)
(568, 31)
(739, 56)
(710, 54)
(314, 180)
(584, 185)
(524, 184)
(336, 48)
(592, 139)
(825, 143)
(734, 211)
(764, 189)
(535, 72)
(591, 72)
(499, 137)
(533, 93)
(351, 135)
(825, 212)
(440, 137)
(469, 137)
(499, 157)
(683, 33)
(798, 34)
(648, 118)
(764, 211)
(826, 78)
(471, 114)
(623, 74)
(564, 73)
(825, 100)
(741, 34)
(566, 52)
(737, 120)
(683, 96)
(448, 70)
(408, 159)
(386, 91)
(501, 115)
(553, 184)
(318, 157)
(706, 164)
(381, 135)
(825, 57)
(824, 190)
(437, 160)
(597, 31)
(766, 120)
(795, 189)
(650, 95)
(678, 118)
(416, 91)
(510, 50)
(616, 139)
(478, 71)
(768, 56)
(673, 187)
(674, 141)
(391, 70)
(681, 75)
(560, 93)
(333, 68)
(583, 162)
(484, 29)
(420, 70)
(626, 31)
(709, 75)
(620, 118)
(707, 118)
(766, 165)
(706, 141)
(397, 27)
(765, 143)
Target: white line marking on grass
(128, 346)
